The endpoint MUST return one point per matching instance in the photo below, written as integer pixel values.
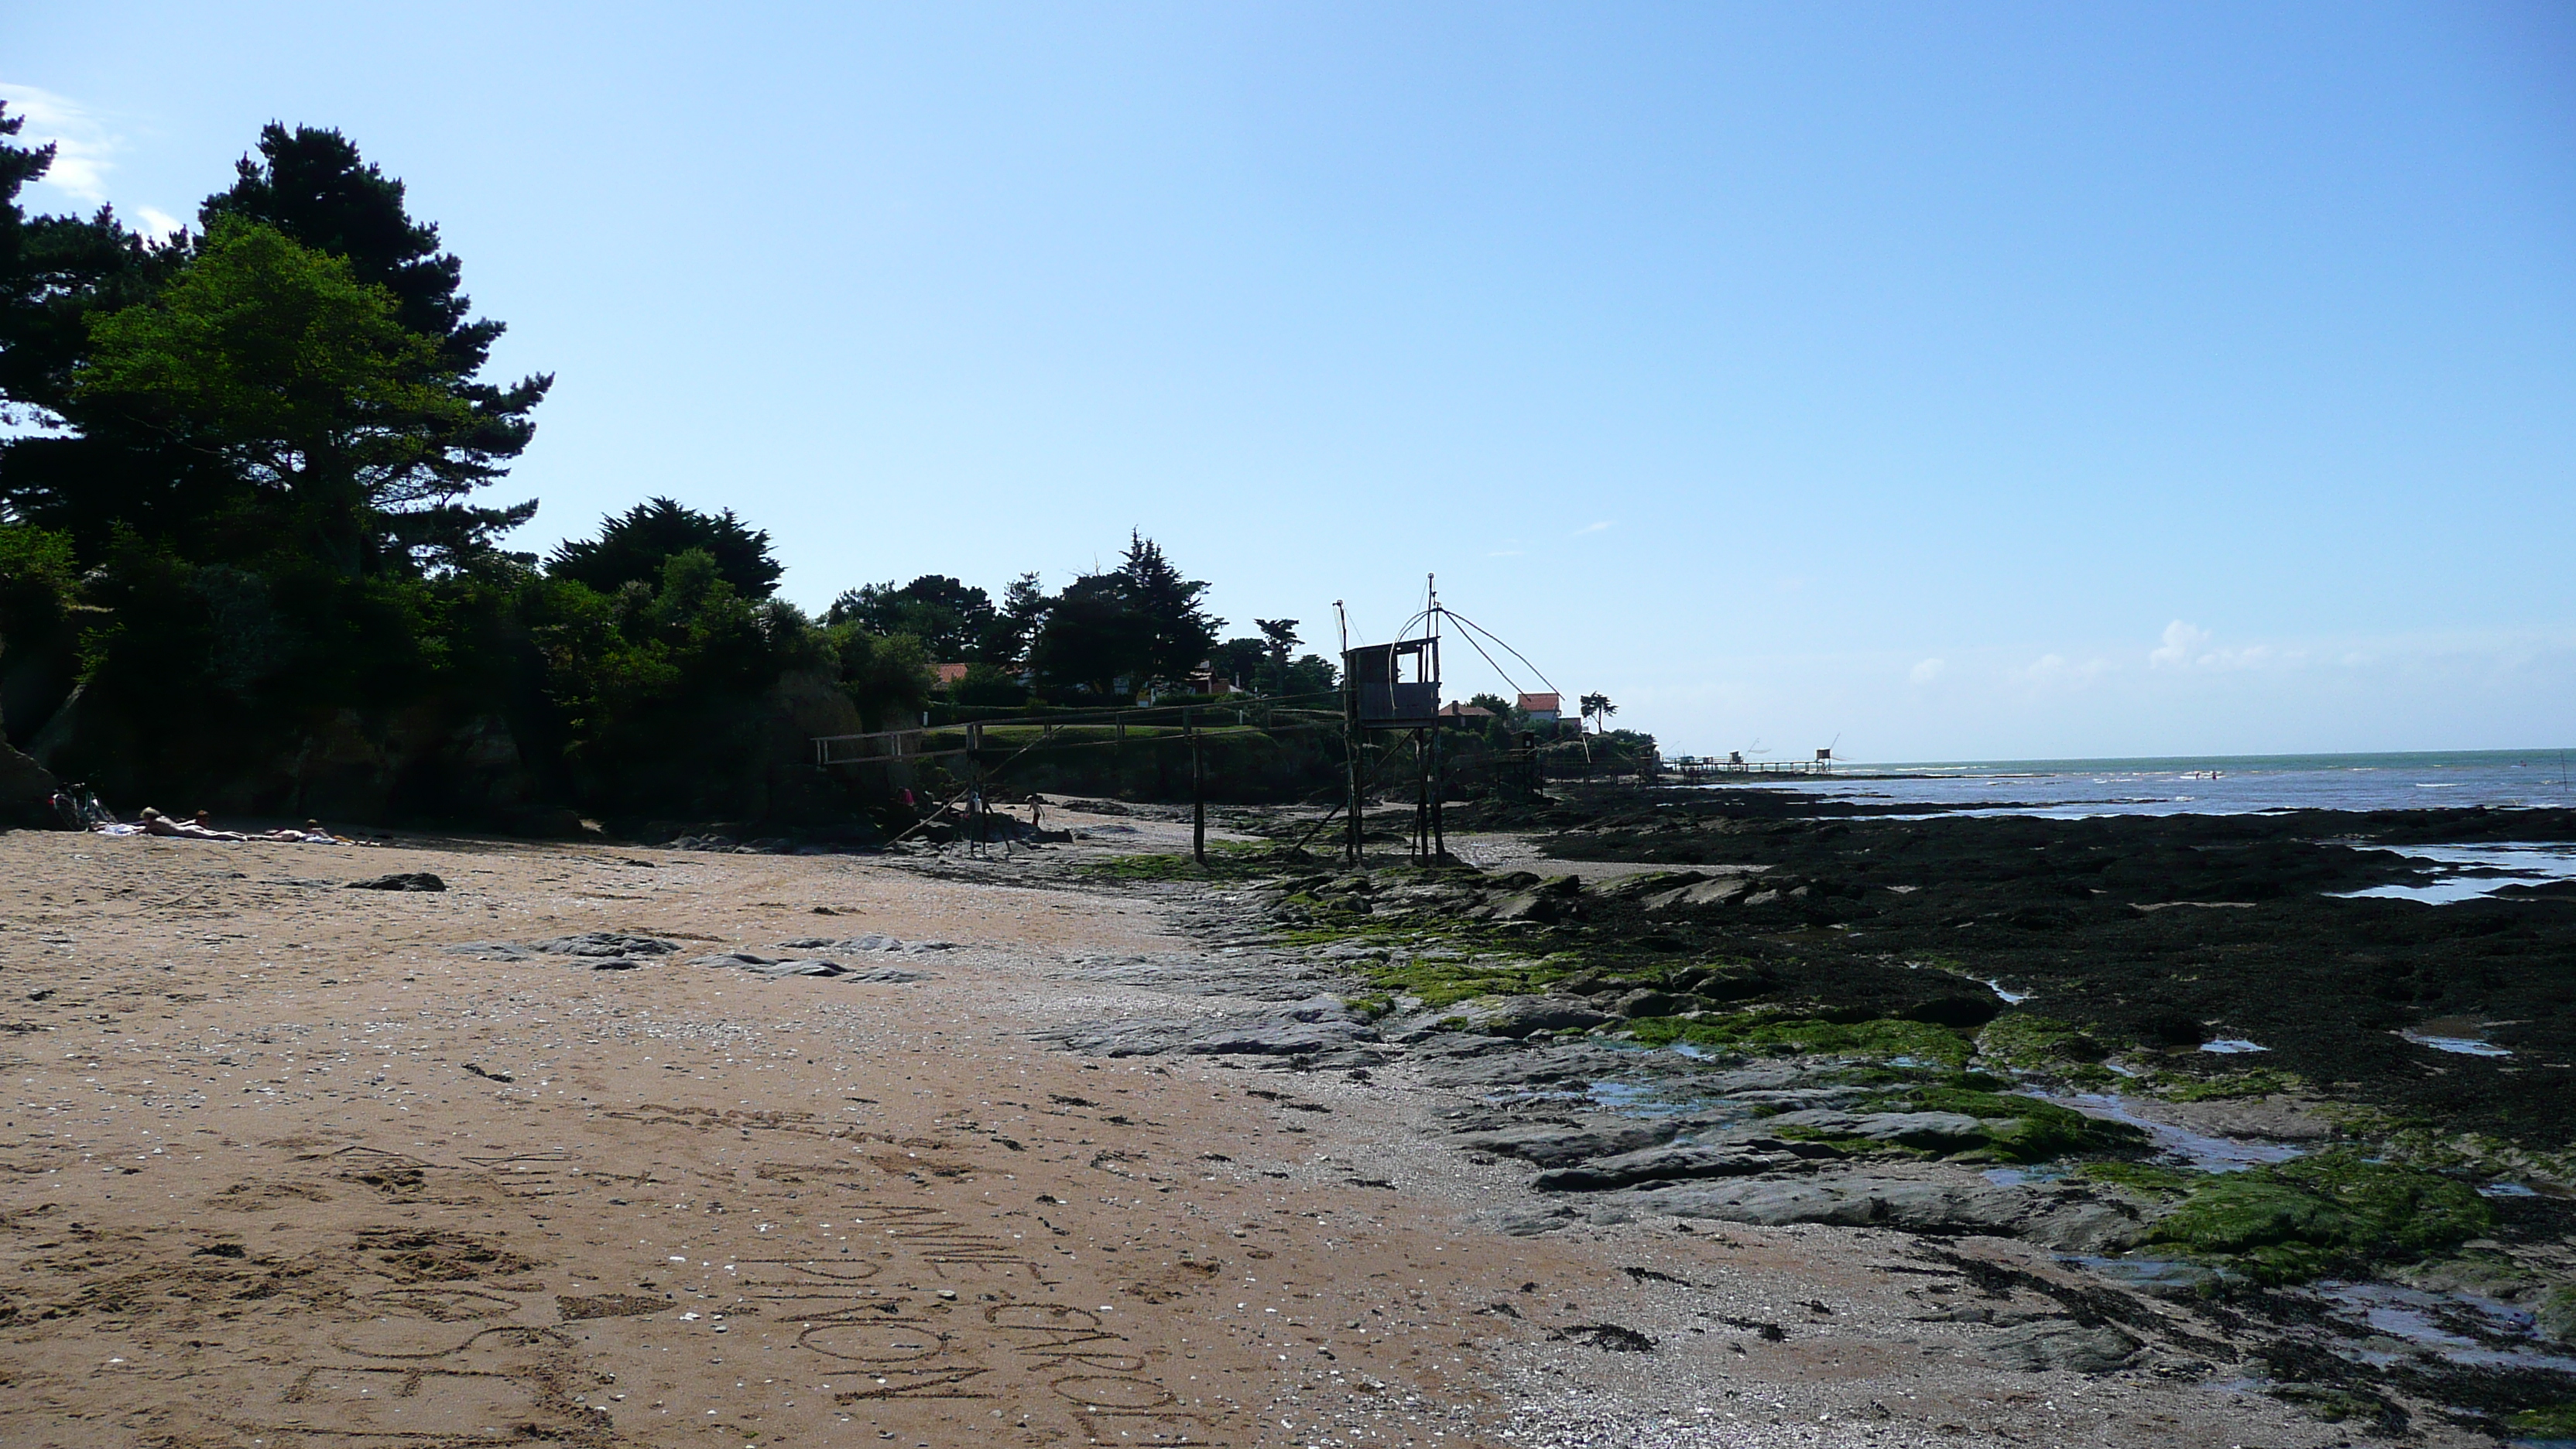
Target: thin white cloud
(84, 149)
(158, 224)
(1927, 671)
(2058, 669)
(1591, 528)
(2182, 641)
(1504, 553)
(2185, 647)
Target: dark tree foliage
(1092, 642)
(311, 184)
(1242, 663)
(56, 273)
(1177, 633)
(1311, 674)
(1016, 623)
(951, 619)
(1265, 666)
(39, 584)
(1279, 640)
(241, 565)
(262, 456)
(653, 678)
(1120, 632)
(334, 425)
(988, 687)
(634, 546)
(157, 446)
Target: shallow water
(2024, 1176)
(2466, 1046)
(2148, 1274)
(2462, 1328)
(1637, 1100)
(2476, 870)
(2200, 1150)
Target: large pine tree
(129, 444)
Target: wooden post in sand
(1198, 789)
(1353, 841)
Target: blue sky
(1959, 381)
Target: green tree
(312, 184)
(39, 578)
(343, 424)
(952, 619)
(1016, 623)
(56, 273)
(1120, 632)
(1311, 674)
(637, 546)
(664, 685)
(1598, 709)
(1279, 640)
(888, 676)
(1092, 641)
(989, 687)
(1244, 663)
(1175, 635)
(115, 447)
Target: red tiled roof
(950, 673)
(1536, 703)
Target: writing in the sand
(915, 1345)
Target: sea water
(2204, 785)
(2249, 784)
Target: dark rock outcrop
(26, 791)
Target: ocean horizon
(2548, 758)
(2208, 784)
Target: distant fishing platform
(1696, 768)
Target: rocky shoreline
(1748, 1028)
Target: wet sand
(279, 1170)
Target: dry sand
(280, 1171)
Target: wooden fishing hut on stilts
(1396, 687)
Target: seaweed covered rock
(2556, 1316)
(2336, 1211)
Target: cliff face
(26, 790)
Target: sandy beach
(282, 1168)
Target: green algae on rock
(1773, 1034)
(2336, 1211)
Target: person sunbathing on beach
(156, 823)
(311, 834)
